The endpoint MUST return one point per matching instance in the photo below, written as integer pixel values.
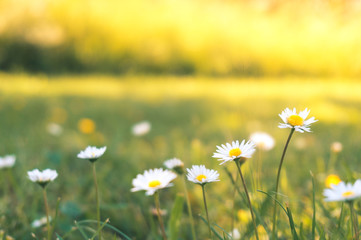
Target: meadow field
(45, 122)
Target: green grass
(189, 118)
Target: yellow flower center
(332, 179)
(201, 177)
(348, 194)
(154, 183)
(235, 152)
(295, 120)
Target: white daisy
(234, 151)
(174, 164)
(343, 191)
(153, 180)
(7, 161)
(42, 177)
(297, 121)
(201, 175)
(92, 153)
(141, 128)
(263, 140)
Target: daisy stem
(277, 183)
(47, 213)
(354, 221)
(189, 209)
(248, 199)
(97, 199)
(157, 205)
(205, 206)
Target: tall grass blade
(81, 230)
(212, 228)
(292, 224)
(224, 231)
(175, 217)
(108, 226)
(97, 233)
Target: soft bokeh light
(210, 37)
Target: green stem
(354, 221)
(47, 213)
(157, 205)
(97, 199)
(189, 209)
(248, 199)
(277, 183)
(205, 206)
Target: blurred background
(157, 79)
(213, 37)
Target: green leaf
(176, 214)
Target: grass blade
(99, 229)
(81, 230)
(175, 216)
(212, 228)
(108, 226)
(292, 224)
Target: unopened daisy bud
(263, 140)
(336, 147)
(152, 180)
(235, 151)
(332, 180)
(42, 177)
(175, 164)
(343, 192)
(92, 153)
(7, 161)
(297, 121)
(201, 175)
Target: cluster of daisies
(238, 151)
(155, 179)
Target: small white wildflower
(92, 153)
(343, 191)
(7, 161)
(297, 121)
(263, 140)
(153, 180)
(42, 177)
(201, 175)
(230, 152)
(141, 128)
